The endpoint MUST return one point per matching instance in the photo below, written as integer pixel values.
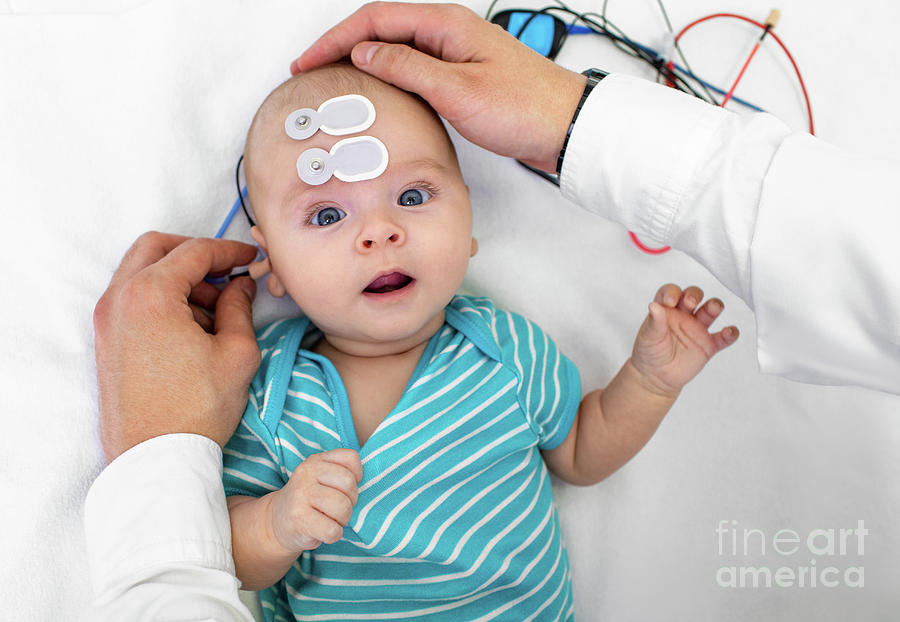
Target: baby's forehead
(406, 125)
(394, 108)
(400, 121)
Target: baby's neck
(336, 347)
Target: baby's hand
(674, 342)
(317, 502)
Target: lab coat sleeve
(159, 537)
(804, 232)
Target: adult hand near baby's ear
(162, 365)
(496, 91)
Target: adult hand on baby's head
(159, 369)
(493, 89)
(674, 342)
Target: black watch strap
(593, 78)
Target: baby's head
(370, 262)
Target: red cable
(670, 65)
(780, 42)
(740, 75)
(647, 249)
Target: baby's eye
(414, 196)
(327, 216)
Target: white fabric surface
(126, 117)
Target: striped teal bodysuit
(455, 518)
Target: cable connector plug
(773, 18)
(667, 47)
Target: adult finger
(233, 321)
(424, 25)
(202, 317)
(406, 67)
(149, 248)
(204, 294)
(186, 265)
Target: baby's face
(370, 261)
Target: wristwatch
(593, 78)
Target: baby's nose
(380, 232)
(394, 238)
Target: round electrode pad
(337, 116)
(351, 159)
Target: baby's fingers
(691, 298)
(320, 527)
(668, 295)
(708, 313)
(339, 476)
(332, 503)
(347, 458)
(725, 337)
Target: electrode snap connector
(337, 116)
(351, 159)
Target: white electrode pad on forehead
(337, 116)
(352, 159)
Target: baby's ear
(276, 288)
(257, 235)
(474, 247)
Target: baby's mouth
(388, 283)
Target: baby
(392, 459)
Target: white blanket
(119, 117)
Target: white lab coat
(805, 233)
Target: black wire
(684, 59)
(487, 15)
(655, 61)
(626, 45)
(603, 12)
(618, 38)
(623, 43)
(665, 15)
(237, 182)
(671, 30)
(568, 28)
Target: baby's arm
(612, 424)
(268, 533)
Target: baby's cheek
(454, 261)
(306, 287)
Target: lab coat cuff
(802, 333)
(160, 503)
(634, 152)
